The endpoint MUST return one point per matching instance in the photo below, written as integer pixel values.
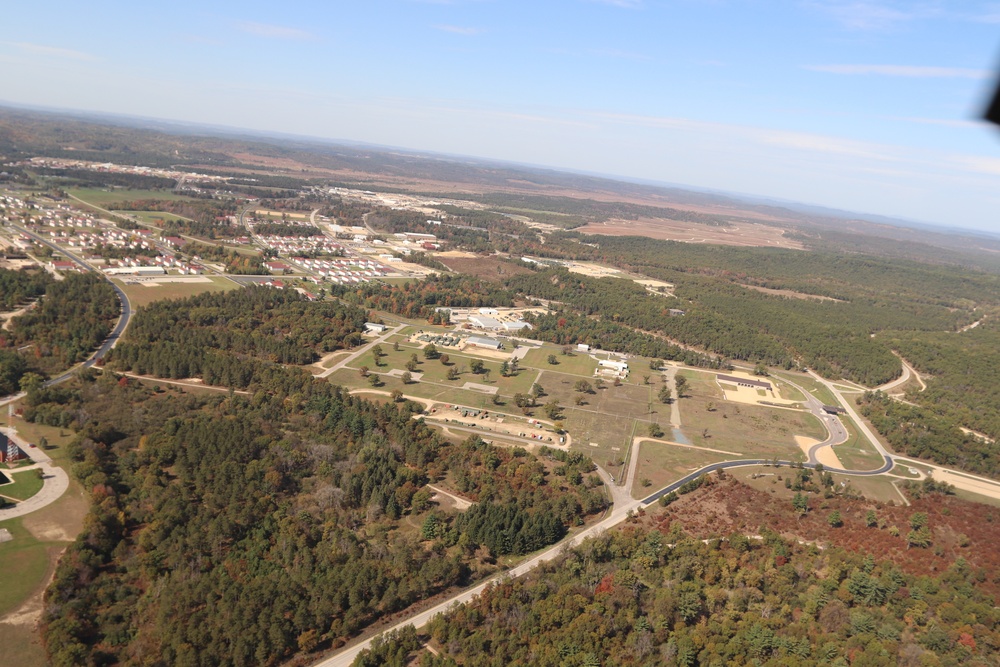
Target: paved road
(360, 351)
(123, 319)
(835, 429)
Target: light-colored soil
(824, 455)
(751, 395)
(593, 270)
(744, 234)
(791, 294)
(541, 431)
(982, 487)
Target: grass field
(29, 559)
(576, 363)
(57, 438)
(102, 197)
(700, 383)
(25, 564)
(144, 294)
(25, 484)
(662, 464)
(756, 431)
(816, 389)
(150, 217)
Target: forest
(233, 529)
(73, 317)
(18, 288)
(207, 218)
(916, 431)
(219, 335)
(820, 592)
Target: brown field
(743, 234)
(487, 268)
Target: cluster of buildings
(346, 270)
(151, 266)
(294, 245)
(111, 168)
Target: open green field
(28, 560)
(857, 453)
(150, 217)
(879, 488)
(25, 564)
(752, 430)
(816, 389)
(58, 438)
(142, 294)
(24, 485)
(699, 383)
(662, 464)
(102, 196)
(575, 363)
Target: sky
(869, 106)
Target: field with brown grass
(742, 234)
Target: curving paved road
(123, 319)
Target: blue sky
(867, 106)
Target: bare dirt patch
(791, 294)
(743, 234)
(486, 268)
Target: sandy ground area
(742, 234)
(654, 283)
(982, 487)
(593, 270)
(461, 504)
(751, 395)
(458, 254)
(498, 423)
(790, 293)
(825, 455)
(160, 280)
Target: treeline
(251, 528)
(733, 322)
(639, 597)
(20, 287)
(919, 432)
(89, 178)
(200, 335)
(563, 328)
(421, 298)
(963, 369)
(73, 317)
(207, 218)
(234, 262)
(286, 229)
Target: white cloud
(977, 163)
(275, 31)
(459, 30)
(872, 15)
(53, 51)
(913, 71)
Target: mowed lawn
(575, 363)
(660, 464)
(23, 484)
(142, 294)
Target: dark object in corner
(993, 110)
